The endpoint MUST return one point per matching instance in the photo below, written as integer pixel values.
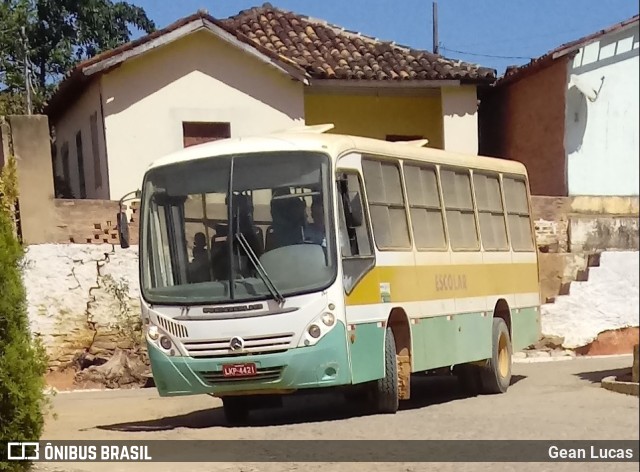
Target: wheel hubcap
(503, 356)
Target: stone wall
(585, 224)
(551, 220)
(82, 298)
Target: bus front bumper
(325, 364)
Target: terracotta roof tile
(301, 45)
(514, 73)
(342, 54)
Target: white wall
(601, 137)
(197, 78)
(77, 119)
(607, 301)
(70, 301)
(460, 119)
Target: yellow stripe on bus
(410, 284)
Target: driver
(315, 232)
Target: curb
(627, 388)
(533, 360)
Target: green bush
(22, 359)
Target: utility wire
(485, 55)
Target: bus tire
(385, 394)
(469, 378)
(236, 410)
(496, 374)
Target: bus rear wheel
(496, 374)
(385, 390)
(236, 410)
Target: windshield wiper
(275, 293)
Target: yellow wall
(377, 117)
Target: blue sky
(470, 30)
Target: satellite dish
(584, 87)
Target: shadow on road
(310, 408)
(597, 376)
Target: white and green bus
(305, 260)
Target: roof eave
(570, 50)
(80, 76)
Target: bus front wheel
(385, 390)
(496, 374)
(236, 410)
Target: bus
(302, 260)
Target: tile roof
(303, 46)
(514, 73)
(327, 51)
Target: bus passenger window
(386, 204)
(515, 196)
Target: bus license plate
(238, 370)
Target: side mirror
(122, 221)
(356, 214)
(123, 229)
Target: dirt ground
(547, 400)
(619, 341)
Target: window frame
(498, 175)
(428, 165)
(366, 223)
(525, 179)
(469, 171)
(82, 178)
(200, 132)
(398, 163)
(368, 261)
(66, 167)
(95, 150)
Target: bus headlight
(318, 329)
(328, 319)
(165, 342)
(153, 332)
(314, 331)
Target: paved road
(556, 400)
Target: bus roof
(336, 145)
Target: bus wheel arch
(503, 311)
(398, 322)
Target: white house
(262, 70)
(601, 127)
(571, 116)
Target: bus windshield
(237, 228)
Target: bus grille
(267, 344)
(173, 328)
(266, 374)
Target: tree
(56, 35)
(22, 358)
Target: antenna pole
(27, 71)
(436, 48)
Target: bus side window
(355, 242)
